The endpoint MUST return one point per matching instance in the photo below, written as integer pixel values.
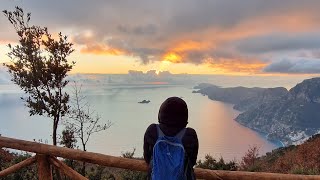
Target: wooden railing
(46, 159)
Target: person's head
(173, 112)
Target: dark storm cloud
(148, 29)
(294, 65)
(279, 42)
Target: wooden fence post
(44, 167)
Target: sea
(115, 98)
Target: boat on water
(144, 102)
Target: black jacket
(189, 141)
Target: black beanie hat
(173, 112)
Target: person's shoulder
(151, 130)
(191, 131)
(152, 127)
(190, 139)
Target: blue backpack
(168, 157)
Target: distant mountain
(243, 98)
(205, 85)
(292, 118)
(267, 95)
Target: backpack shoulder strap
(181, 134)
(160, 133)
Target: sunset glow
(172, 57)
(256, 38)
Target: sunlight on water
(218, 133)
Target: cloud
(279, 42)
(101, 50)
(148, 29)
(149, 75)
(159, 78)
(294, 65)
(182, 31)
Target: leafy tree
(99, 173)
(211, 163)
(249, 160)
(68, 140)
(39, 66)
(29, 172)
(129, 174)
(83, 121)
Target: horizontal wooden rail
(17, 166)
(133, 164)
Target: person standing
(170, 148)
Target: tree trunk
(54, 133)
(54, 139)
(83, 170)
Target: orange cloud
(99, 49)
(215, 38)
(261, 25)
(172, 57)
(178, 51)
(189, 45)
(227, 66)
(211, 42)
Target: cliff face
(292, 117)
(265, 96)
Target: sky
(247, 37)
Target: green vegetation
(211, 163)
(128, 174)
(299, 159)
(39, 66)
(8, 159)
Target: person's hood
(173, 112)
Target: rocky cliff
(292, 118)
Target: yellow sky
(120, 64)
(110, 64)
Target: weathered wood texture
(17, 166)
(96, 158)
(66, 169)
(134, 164)
(44, 167)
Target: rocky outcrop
(292, 118)
(268, 95)
(289, 116)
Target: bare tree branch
(84, 122)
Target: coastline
(276, 142)
(264, 135)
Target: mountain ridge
(289, 116)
